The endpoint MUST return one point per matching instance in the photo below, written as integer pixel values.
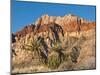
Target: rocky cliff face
(70, 33)
(69, 23)
(52, 24)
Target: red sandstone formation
(67, 23)
(25, 30)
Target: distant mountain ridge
(68, 23)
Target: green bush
(57, 56)
(53, 61)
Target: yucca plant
(37, 47)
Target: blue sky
(24, 13)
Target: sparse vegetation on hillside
(54, 47)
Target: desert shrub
(53, 61)
(58, 57)
(75, 54)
